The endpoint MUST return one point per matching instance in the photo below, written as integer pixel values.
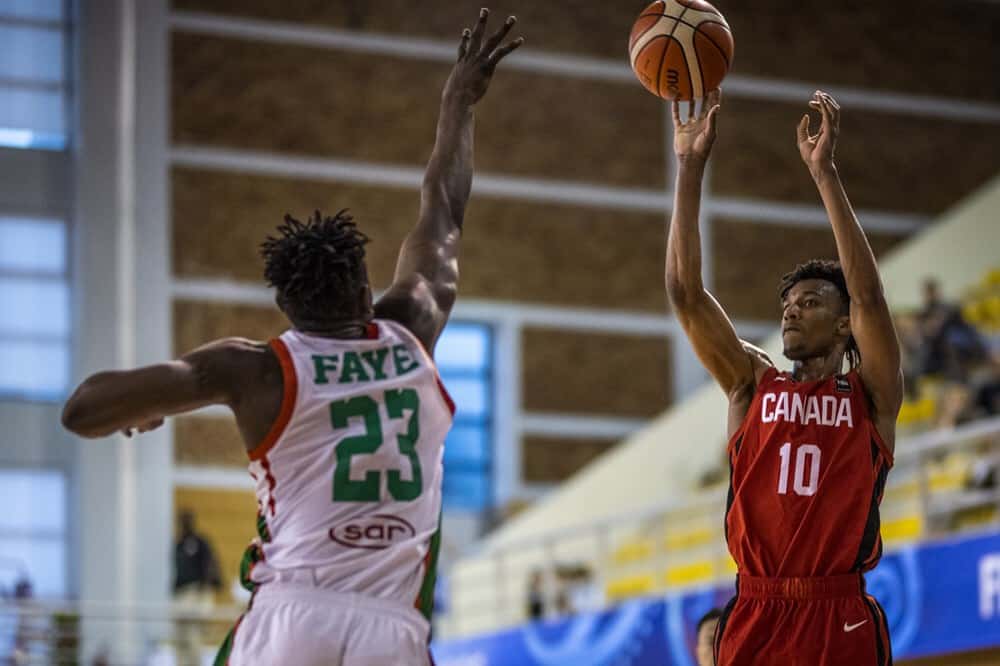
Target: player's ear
(844, 326)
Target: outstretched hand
(693, 138)
(817, 149)
(477, 59)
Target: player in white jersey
(343, 416)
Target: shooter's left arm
(871, 321)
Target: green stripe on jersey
(425, 598)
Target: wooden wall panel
(573, 26)
(208, 441)
(918, 46)
(321, 102)
(512, 250)
(555, 459)
(751, 258)
(595, 374)
(196, 323)
(888, 162)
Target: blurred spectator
(704, 649)
(536, 596)
(195, 566)
(951, 346)
(196, 579)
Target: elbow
(75, 414)
(679, 292)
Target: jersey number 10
(805, 455)
(397, 401)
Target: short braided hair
(317, 267)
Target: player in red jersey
(809, 449)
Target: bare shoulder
(234, 364)
(411, 303)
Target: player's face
(813, 320)
(706, 638)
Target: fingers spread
(504, 51)
(477, 32)
(676, 107)
(494, 41)
(463, 46)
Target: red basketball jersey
(807, 472)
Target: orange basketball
(680, 49)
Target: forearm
(683, 271)
(110, 401)
(448, 178)
(856, 256)
(99, 408)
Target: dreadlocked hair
(317, 266)
(823, 269)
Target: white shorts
(307, 626)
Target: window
(33, 80)
(464, 356)
(33, 532)
(34, 309)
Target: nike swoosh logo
(852, 627)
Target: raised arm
(871, 321)
(139, 399)
(426, 281)
(707, 327)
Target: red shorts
(826, 621)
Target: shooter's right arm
(705, 323)
(139, 399)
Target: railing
(67, 633)
(675, 545)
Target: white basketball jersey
(348, 481)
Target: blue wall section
(939, 597)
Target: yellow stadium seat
(689, 539)
(689, 574)
(630, 586)
(907, 528)
(633, 551)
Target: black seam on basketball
(704, 34)
(687, 68)
(659, 68)
(663, 56)
(711, 41)
(666, 50)
(701, 72)
(641, 34)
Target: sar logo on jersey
(375, 532)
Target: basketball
(680, 49)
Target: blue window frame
(34, 309)
(464, 356)
(33, 532)
(34, 49)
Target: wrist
(456, 101)
(690, 164)
(823, 171)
